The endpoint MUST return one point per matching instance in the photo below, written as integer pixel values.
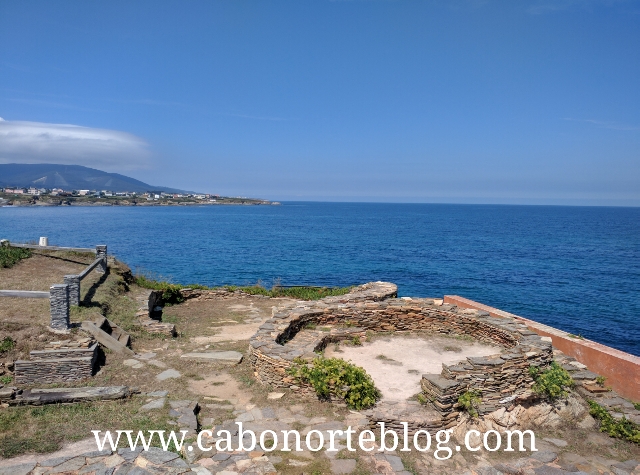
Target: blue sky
(417, 101)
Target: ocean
(575, 268)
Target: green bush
(553, 382)
(6, 344)
(470, 401)
(620, 428)
(333, 376)
(11, 255)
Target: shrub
(620, 428)
(9, 256)
(6, 344)
(553, 382)
(470, 401)
(333, 376)
(600, 381)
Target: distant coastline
(46, 200)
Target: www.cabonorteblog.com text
(330, 440)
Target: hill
(71, 177)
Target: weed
(470, 401)
(552, 382)
(455, 349)
(637, 406)
(6, 344)
(333, 376)
(5, 379)
(620, 428)
(600, 381)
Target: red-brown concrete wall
(621, 369)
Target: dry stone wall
(65, 363)
(501, 378)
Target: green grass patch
(553, 382)
(9, 256)
(6, 344)
(45, 429)
(619, 428)
(333, 376)
(171, 292)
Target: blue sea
(575, 268)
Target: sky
(520, 102)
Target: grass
(9, 256)
(44, 429)
(171, 292)
(6, 344)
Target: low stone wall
(621, 369)
(501, 378)
(61, 365)
(53, 371)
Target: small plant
(6, 344)
(620, 428)
(5, 379)
(9, 256)
(637, 406)
(422, 399)
(579, 337)
(333, 376)
(552, 382)
(600, 381)
(355, 341)
(454, 349)
(470, 401)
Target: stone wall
(501, 378)
(59, 303)
(62, 365)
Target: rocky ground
(181, 388)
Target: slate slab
(234, 357)
(168, 374)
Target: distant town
(19, 196)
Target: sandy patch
(397, 363)
(222, 386)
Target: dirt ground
(396, 371)
(40, 272)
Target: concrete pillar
(59, 302)
(73, 281)
(101, 251)
(44, 241)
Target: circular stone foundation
(300, 330)
(397, 372)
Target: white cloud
(38, 142)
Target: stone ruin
(503, 378)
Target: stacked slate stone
(150, 315)
(272, 349)
(501, 378)
(59, 303)
(61, 362)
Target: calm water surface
(575, 268)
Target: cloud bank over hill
(38, 142)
